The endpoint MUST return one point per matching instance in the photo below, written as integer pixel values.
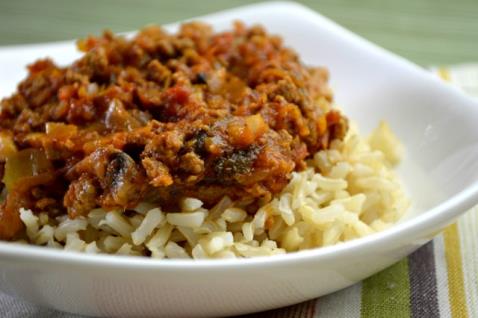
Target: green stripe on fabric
(387, 294)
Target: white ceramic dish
(436, 123)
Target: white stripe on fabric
(344, 304)
(468, 232)
(442, 276)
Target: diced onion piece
(60, 131)
(256, 125)
(245, 131)
(25, 163)
(7, 146)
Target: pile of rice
(356, 194)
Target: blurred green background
(428, 32)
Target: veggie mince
(160, 117)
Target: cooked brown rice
(356, 195)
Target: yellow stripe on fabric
(387, 294)
(468, 232)
(456, 289)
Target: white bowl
(436, 123)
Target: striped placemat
(438, 280)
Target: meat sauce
(158, 117)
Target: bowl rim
(427, 222)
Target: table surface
(428, 32)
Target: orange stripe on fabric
(456, 286)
